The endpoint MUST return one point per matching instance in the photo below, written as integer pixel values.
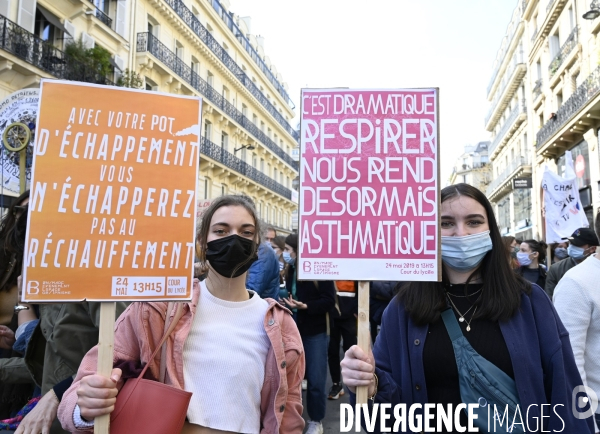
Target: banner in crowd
(562, 205)
(369, 185)
(112, 210)
(19, 107)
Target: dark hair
(538, 246)
(270, 228)
(501, 296)
(292, 241)
(229, 200)
(279, 240)
(13, 230)
(507, 242)
(597, 224)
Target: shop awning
(52, 19)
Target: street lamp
(248, 147)
(594, 11)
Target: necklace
(464, 296)
(461, 317)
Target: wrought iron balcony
(210, 150)
(589, 89)
(508, 124)
(228, 20)
(512, 31)
(521, 161)
(148, 42)
(194, 24)
(39, 53)
(564, 52)
(511, 80)
(101, 15)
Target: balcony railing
(150, 43)
(537, 89)
(39, 53)
(564, 52)
(550, 4)
(228, 20)
(514, 114)
(226, 158)
(194, 24)
(500, 179)
(102, 16)
(589, 89)
(507, 79)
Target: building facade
(544, 100)
(472, 167)
(191, 47)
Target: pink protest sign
(369, 184)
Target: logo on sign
(580, 166)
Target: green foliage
(130, 79)
(96, 58)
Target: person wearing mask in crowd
(512, 247)
(582, 244)
(270, 234)
(313, 301)
(505, 319)
(263, 275)
(577, 301)
(380, 294)
(342, 326)
(559, 252)
(531, 255)
(227, 349)
(16, 385)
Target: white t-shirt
(224, 360)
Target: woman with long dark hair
(505, 319)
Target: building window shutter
(26, 18)
(87, 40)
(4, 7)
(121, 18)
(70, 28)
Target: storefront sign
(112, 209)
(369, 170)
(562, 206)
(522, 183)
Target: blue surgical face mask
(288, 258)
(523, 258)
(464, 254)
(576, 252)
(561, 253)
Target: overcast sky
(390, 43)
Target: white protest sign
(562, 205)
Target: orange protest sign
(112, 211)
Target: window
(262, 126)
(275, 174)
(178, 49)
(269, 170)
(153, 26)
(244, 154)
(209, 78)
(538, 67)
(46, 25)
(571, 19)
(559, 100)
(244, 110)
(150, 85)
(254, 160)
(262, 165)
(269, 133)
(225, 93)
(195, 65)
(207, 130)
(205, 188)
(224, 140)
(196, 13)
(223, 190)
(554, 45)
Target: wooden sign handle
(106, 340)
(363, 333)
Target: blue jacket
(539, 347)
(263, 275)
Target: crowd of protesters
(280, 337)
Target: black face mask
(231, 254)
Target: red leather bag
(151, 407)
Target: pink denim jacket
(140, 328)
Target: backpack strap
(452, 325)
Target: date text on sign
(133, 286)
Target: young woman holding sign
(505, 319)
(241, 356)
